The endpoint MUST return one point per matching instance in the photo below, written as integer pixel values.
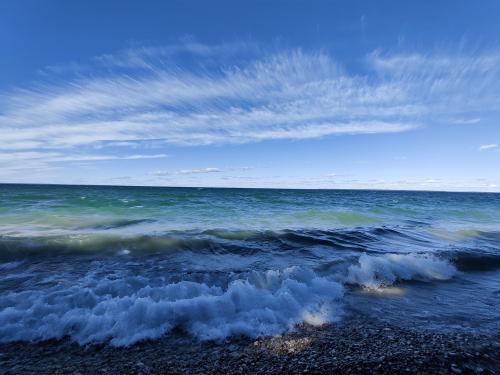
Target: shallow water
(119, 264)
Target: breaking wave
(211, 284)
(125, 311)
(378, 271)
(125, 308)
(121, 264)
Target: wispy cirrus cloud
(465, 121)
(331, 181)
(195, 171)
(201, 170)
(276, 89)
(491, 146)
(286, 96)
(30, 160)
(161, 173)
(156, 94)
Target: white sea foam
(377, 271)
(121, 307)
(125, 310)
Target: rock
(336, 348)
(455, 369)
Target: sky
(280, 94)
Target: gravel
(356, 345)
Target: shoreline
(355, 345)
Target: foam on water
(377, 271)
(122, 307)
(124, 311)
(129, 263)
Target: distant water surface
(121, 264)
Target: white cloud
(144, 96)
(19, 162)
(148, 57)
(58, 157)
(289, 95)
(201, 170)
(109, 157)
(339, 182)
(488, 147)
(444, 83)
(160, 173)
(163, 173)
(240, 169)
(466, 121)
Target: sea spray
(131, 263)
(107, 310)
(376, 271)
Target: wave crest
(262, 304)
(378, 271)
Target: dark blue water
(120, 264)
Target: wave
(121, 312)
(78, 244)
(10, 265)
(474, 261)
(319, 246)
(378, 271)
(112, 303)
(339, 217)
(241, 242)
(120, 223)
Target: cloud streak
(234, 94)
(488, 147)
(290, 95)
(202, 170)
(43, 160)
(161, 173)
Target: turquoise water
(120, 264)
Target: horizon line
(250, 188)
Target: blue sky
(299, 94)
